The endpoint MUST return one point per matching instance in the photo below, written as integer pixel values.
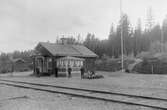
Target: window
(63, 63)
(75, 64)
(49, 62)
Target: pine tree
(149, 20)
(164, 27)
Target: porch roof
(71, 58)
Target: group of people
(82, 70)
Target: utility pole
(122, 45)
(162, 38)
(12, 62)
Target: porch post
(85, 64)
(34, 65)
(43, 64)
(53, 65)
(93, 64)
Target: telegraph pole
(162, 38)
(122, 45)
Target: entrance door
(40, 64)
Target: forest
(152, 38)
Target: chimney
(64, 41)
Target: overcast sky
(23, 23)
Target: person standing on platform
(69, 72)
(56, 72)
(37, 72)
(82, 72)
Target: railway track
(145, 101)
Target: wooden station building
(48, 56)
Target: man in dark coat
(82, 72)
(37, 72)
(56, 72)
(69, 72)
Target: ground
(16, 99)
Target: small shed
(19, 65)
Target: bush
(93, 77)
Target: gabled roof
(66, 50)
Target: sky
(24, 23)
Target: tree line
(152, 38)
(7, 60)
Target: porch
(48, 64)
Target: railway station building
(48, 56)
